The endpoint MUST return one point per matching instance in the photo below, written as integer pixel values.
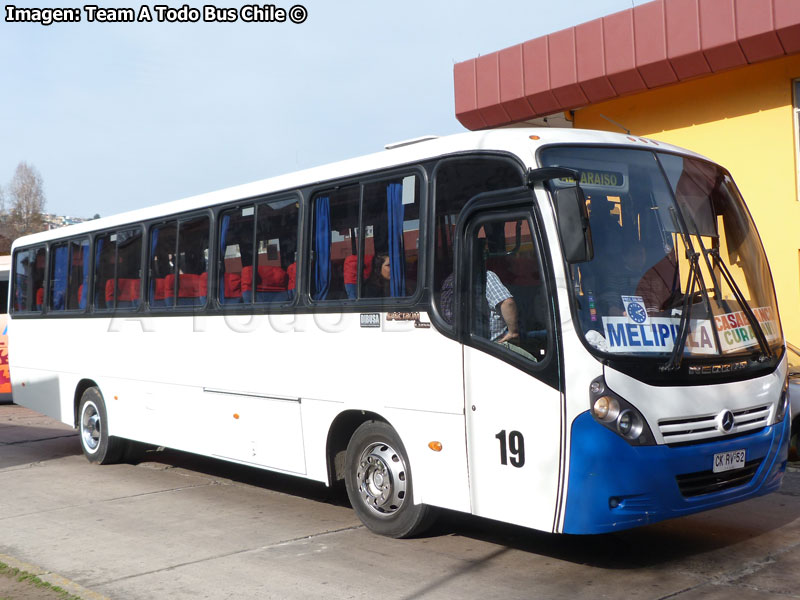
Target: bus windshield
(678, 270)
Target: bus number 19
(514, 445)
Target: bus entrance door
(513, 402)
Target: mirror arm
(547, 173)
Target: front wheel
(98, 446)
(379, 483)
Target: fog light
(605, 409)
(630, 424)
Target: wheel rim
(381, 479)
(90, 427)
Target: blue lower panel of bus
(614, 486)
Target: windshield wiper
(674, 362)
(766, 352)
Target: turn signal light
(435, 446)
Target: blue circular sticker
(637, 313)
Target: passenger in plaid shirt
(503, 322)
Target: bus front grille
(703, 427)
(708, 482)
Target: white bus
(571, 331)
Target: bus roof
(524, 142)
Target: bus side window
(129, 269)
(508, 297)
(78, 285)
(391, 229)
(28, 283)
(236, 255)
(117, 270)
(59, 265)
(69, 274)
(334, 237)
(193, 262)
(276, 245)
(162, 246)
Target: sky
(119, 116)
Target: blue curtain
(84, 291)
(322, 262)
(60, 272)
(397, 254)
(223, 236)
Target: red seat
(189, 285)
(162, 291)
(273, 279)
(350, 268)
(128, 290)
(233, 285)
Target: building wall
(742, 119)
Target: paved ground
(179, 526)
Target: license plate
(728, 461)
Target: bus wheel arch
(341, 430)
(83, 385)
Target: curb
(52, 578)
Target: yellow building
(721, 77)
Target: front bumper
(614, 486)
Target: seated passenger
(503, 318)
(377, 285)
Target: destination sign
(598, 179)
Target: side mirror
(573, 224)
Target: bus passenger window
(117, 270)
(375, 225)
(236, 255)
(59, 263)
(508, 300)
(334, 238)
(69, 274)
(391, 238)
(193, 262)
(163, 248)
(78, 284)
(28, 282)
(276, 247)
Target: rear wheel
(97, 445)
(379, 483)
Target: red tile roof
(648, 46)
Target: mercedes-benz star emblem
(725, 421)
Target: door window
(507, 297)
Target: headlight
(617, 414)
(630, 424)
(783, 403)
(606, 409)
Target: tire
(97, 445)
(379, 483)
